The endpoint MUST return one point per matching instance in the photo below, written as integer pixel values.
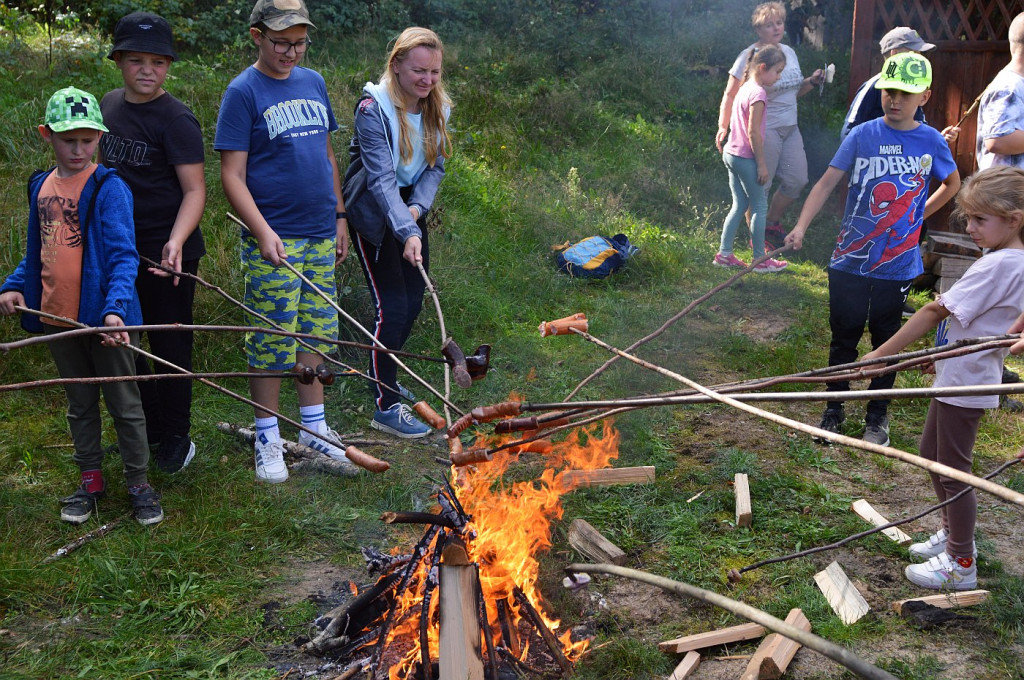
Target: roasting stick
(822, 646)
(444, 339)
(887, 451)
(361, 459)
(348, 317)
(734, 575)
(689, 308)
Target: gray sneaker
(831, 421)
(876, 429)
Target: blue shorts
(282, 297)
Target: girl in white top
(985, 301)
(744, 157)
(784, 147)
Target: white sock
(313, 417)
(268, 427)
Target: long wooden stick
(822, 646)
(348, 317)
(85, 538)
(378, 466)
(444, 338)
(686, 310)
(887, 451)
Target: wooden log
(686, 667)
(459, 650)
(950, 600)
(589, 542)
(845, 599)
(576, 479)
(865, 511)
(342, 467)
(74, 545)
(741, 486)
(722, 636)
(776, 651)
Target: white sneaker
(270, 465)
(328, 443)
(935, 544)
(943, 572)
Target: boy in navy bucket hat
(156, 144)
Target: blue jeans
(746, 192)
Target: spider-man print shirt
(889, 173)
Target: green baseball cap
(71, 108)
(278, 15)
(907, 71)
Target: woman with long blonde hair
(396, 163)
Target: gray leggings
(786, 160)
(948, 438)
(85, 357)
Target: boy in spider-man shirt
(890, 162)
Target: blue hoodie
(110, 262)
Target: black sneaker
(832, 421)
(1010, 377)
(146, 505)
(78, 507)
(876, 429)
(175, 453)
(908, 310)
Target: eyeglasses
(282, 46)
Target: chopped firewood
(742, 489)
(85, 538)
(589, 542)
(459, 650)
(454, 552)
(950, 600)
(776, 651)
(686, 667)
(608, 476)
(845, 599)
(712, 638)
(864, 510)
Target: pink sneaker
(729, 260)
(771, 265)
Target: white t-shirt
(780, 109)
(986, 301)
(1001, 113)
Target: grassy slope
(616, 140)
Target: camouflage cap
(278, 15)
(71, 108)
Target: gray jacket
(373, 200)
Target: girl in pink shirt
(743, 155)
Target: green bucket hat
(71, 108)
(905, 71)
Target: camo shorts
(281, 296)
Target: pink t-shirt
(739, 139)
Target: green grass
(553, 143)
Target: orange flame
(512, 525)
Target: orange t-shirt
(61, 231)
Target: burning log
(416, 518)
(459, 653)
(545, 634)
(352, 616)
(509, 632)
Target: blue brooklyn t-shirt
(889, 174)
(284, 126)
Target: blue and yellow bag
(595, 257)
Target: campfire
(465, 602)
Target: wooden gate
(971, 46)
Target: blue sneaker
(399, 421)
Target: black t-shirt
(144, 144)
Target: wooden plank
(865, 511)
(686, 667)
(459, 649)
(950, 600)
(722, 636)
(845, 599)
(741, 486)
(776, 651)
(587, 540)
(608, 476)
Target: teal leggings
(746, 192)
